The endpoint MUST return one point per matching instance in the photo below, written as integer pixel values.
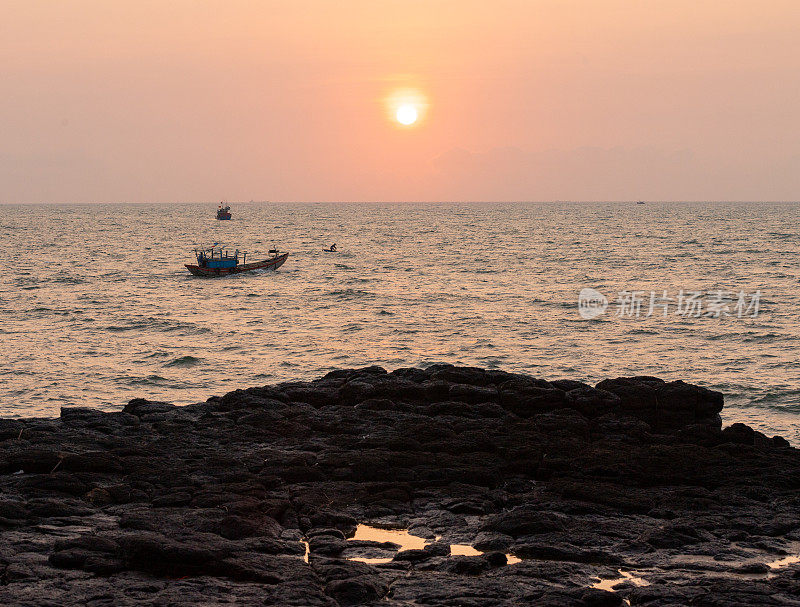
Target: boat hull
(272, 263)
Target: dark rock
(40, 461)
(356, 591)
(336, 533)
(10, 428)
(533, 400)
(752, 568)
(413, 556)
(665, 406)
(327, 545)
(525, 521)
(472, 394)
(70, 558)
(58, 482)
(47, 507)
(99, 496)
(90, 542)
(673, 535)
(739, 434)
(467, 565)
(594, 597)
(591, 401)
(92, 461)
(213, 502)
(564, 552)
(139, 407)
(437, 549)
(496, 559)
(178, 498)
(164, 556)
(235, 527)
(97, 420)
(488, 541)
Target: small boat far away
(640, 202)
(216, 261)
(224, 212)
(332, 249)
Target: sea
(98, 307)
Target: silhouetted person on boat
(333, 247)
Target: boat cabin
(224, 212)
(217, 258)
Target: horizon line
(557, 201)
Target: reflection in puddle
(402, 537)
(464, 550)
(625, 576)
(369, 561)
(467, 550)
(784, 562)
(406, 541)
(755, 574)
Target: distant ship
(640, 202)
(224, 212)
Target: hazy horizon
(515, 100)
(391, 202)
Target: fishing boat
(218, 261)
(224, 212)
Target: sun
(406, 114)
(406, 107)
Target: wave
(184, 361)
(767, 338)
(69, 280)
(159, 325)
(150, 380)
(352, 294)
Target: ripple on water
(184, 361)
(516, 304)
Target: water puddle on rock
(464, 550)
(407, 541)
(624, 576)
(401, 537)
(753, 567)
(784, 562)
(467, 550)
(629, 577)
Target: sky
(295, 100)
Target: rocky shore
(562, 493)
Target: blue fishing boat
(224, 212)
(218, 261)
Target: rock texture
(632, 480)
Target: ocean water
(97, 307)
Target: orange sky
(527, 100)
